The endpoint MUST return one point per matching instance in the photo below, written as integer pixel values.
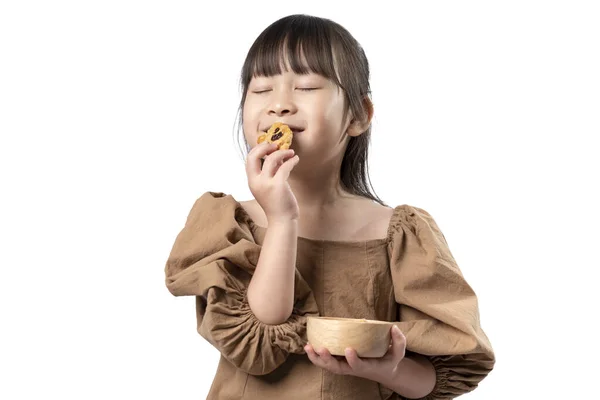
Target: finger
(332, 364)
(253, 163)
(360, 365)
(313, 356)
(398, 342)
(353, 360)
(325, 355)
(309, 349)
(262, 149)
(286, 168)
(275, 160)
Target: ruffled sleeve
(438, 310)
(213, 258)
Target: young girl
(317, 241)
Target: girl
(317, 241)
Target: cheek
(329, 117)
(246, 115)
(249, 121)
(250, 135)
(330, 109)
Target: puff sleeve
(213, 258)
(438, 310)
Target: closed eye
(261, 91)
(307, 89)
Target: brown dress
(410, 276)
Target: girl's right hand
(270, 185)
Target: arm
(438, 310)
(414, 378)
(214, 258)
(271, 290)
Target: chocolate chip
(276, 136)
(276, 130)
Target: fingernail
(397, 330)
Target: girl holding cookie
(316, 240)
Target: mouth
(295, 129)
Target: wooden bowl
(369, 338)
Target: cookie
(279, 134)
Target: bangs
(307, 44)
(304, 45)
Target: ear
(358, 127)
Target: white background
(116, 115)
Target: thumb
(398, 342)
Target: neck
(318, 188)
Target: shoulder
(209, 203)
(409, 218)
(214, 209)
(381, 217)
(372, 219)
(416, 227)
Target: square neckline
(375, 241)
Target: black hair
(319, 45)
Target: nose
(282, 104)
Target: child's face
(313, 106)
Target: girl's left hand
(376, 369)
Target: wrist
(413, 377)
(387, 378)
(282, 221)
